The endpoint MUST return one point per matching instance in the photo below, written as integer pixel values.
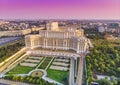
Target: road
(6, 40)
(72, 75)
(80, 70)
(12, 65)
(5, 64)
(4, 84)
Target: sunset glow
(59, 9)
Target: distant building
(119, 24)
(15, 32)
(109, 37)
(3, 22)
(113, 30)
(117, 30)
(37, 28)
(101, 29)
(52, 26)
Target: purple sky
(59, 9)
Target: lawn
(20, 70)
(60, 76)
(45, 63)
(48, 58)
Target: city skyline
(60, 9)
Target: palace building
(58, 39)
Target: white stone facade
(63, 40)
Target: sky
(59, 9)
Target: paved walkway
(52, 53)
(8, 82)
(71, 78)
(40, 63)
(80, 70)
(52, 81)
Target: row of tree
(28, 79)
(8, 50)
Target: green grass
(20, 70)
(48, 58)
(59, 76)
(45, 63)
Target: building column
(53, 43)
(76, 67)
(78, 47)
(56, 44)
(46, 42)
(66, 44)
(32, 44)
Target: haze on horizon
(60, 9)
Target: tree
(118, 69)
(118, 81)
(112, 79)
(104, 82)
(30, 80)
(38, 81)
(27, 78)
(34, 81)
(23, 78)
(15, 78)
